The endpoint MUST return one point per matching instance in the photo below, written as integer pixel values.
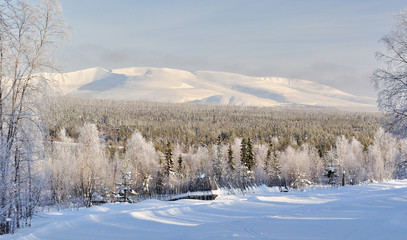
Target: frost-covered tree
(350, 159)
(28, 37)
(203, 170)
(317, 170)
(168, 161)
(296, 166)
(141, 159)
(401, 164)
(180, 168)
(391, 79)
(217, 160)
(243, 152)
(116, 172)
(61, 159)
(231, 164)
(272, 164)
(383, 156)
(260, 154)
(91, 164)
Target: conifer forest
(164, 149)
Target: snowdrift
(374, 211)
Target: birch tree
(383, 156)
(61, 174)
(390, 80)
(28, 37)
(141, 159)
(91, 163)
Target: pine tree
(180, 169)
(276, 166)
(217, 164)
(272, 162)
(159, 183)
(247, 156)
(268, 160)
(243, 152)
(250, 163)
(230, 158)
(169, 163)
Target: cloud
(352, 79)
(92, 55)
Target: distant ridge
(209, 87)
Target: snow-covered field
(374, 211)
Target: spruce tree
(169, 163)
(276, 166)
(272, 163)
(247, 156)
(250, 163)
(267, 162)
(243, 152)
(230, 158)
(217, 165)
(180, 169)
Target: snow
(374, 211)
(179, 86)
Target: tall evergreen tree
(231, 164)
(169, 163)
(247, 156)
(276, 167)
(268, 160)
(250, 163)
(243, 152)
(273, 162)
(217, 160)
(180, 169)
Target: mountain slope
(178, 86)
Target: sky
(326, 41)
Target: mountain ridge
(209, 87)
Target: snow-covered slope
(375, 211)
(178, 86)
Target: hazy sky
(331, 42)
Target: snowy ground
(375, 211)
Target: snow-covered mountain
(179, 86)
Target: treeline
(80, 172)
(163, 149)
(192, 124)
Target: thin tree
(243, 152)
(180, 169)
(28, 37)
(217, 160)
(169, 163)
(231, 164)
(272, 165)
(91, 163)
(250, 163)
